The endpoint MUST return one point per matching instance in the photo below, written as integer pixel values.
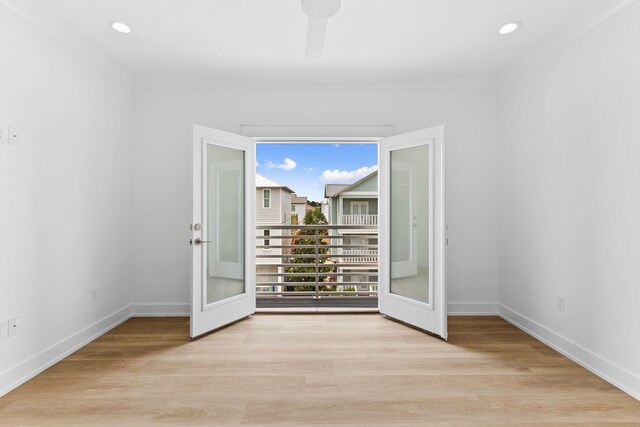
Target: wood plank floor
(316, 369)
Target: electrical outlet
(14, 326)
(15, 135)
(4, 134)
(3, 330)
(94, 294)
(560, 302)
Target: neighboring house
(356, 204)
(298, 209)
(273, 207)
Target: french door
(412, 229)
(223, 230)
(411, 236)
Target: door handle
(198, 241)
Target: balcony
(366, 220)
(316, 266)
(359, 255)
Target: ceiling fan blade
(316, 33)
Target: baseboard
(160, 309)
(29, 368)
(616, 375)
(472, 309)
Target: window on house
(266, 198)
(267, 242)
(360, 208)
(293, 208)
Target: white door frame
(439, 237)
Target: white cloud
(287, 164)
(338, 176)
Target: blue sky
(306, 168)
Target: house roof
(355, 184)
(264, 182)
(330, 190)
(298, 200)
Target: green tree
(307, 237)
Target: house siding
(369, 185)
(270, 215)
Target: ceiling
(267, 37)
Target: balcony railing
(360, 255)
(368, 220)
(316, 261)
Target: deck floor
(357, 369)
(359, 302)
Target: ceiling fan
(319, 12)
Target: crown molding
(321, 82)
(49, 26)
(595, 17)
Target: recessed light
(121, 28)
(509, 28)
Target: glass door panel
(225, 223)
(410, 223)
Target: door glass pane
(410, 256)
(225, 223)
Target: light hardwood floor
(316, 369)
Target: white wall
(569, 198)
(163, 118)
(65, 195)
(300, 211)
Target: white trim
(362, 194)
(306, 310)
(615, 374)
(49, 26)
(345, 133)
(599, 14)
(146, 309)
(315, 139)
(32, 366)
(472, 309)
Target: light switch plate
(3, 330)
(14, 326)
(15, 135)
(4, 134)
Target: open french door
(412, 229)
(223, 232)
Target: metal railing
(316, 261)
(360, 255)
(359, 220)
